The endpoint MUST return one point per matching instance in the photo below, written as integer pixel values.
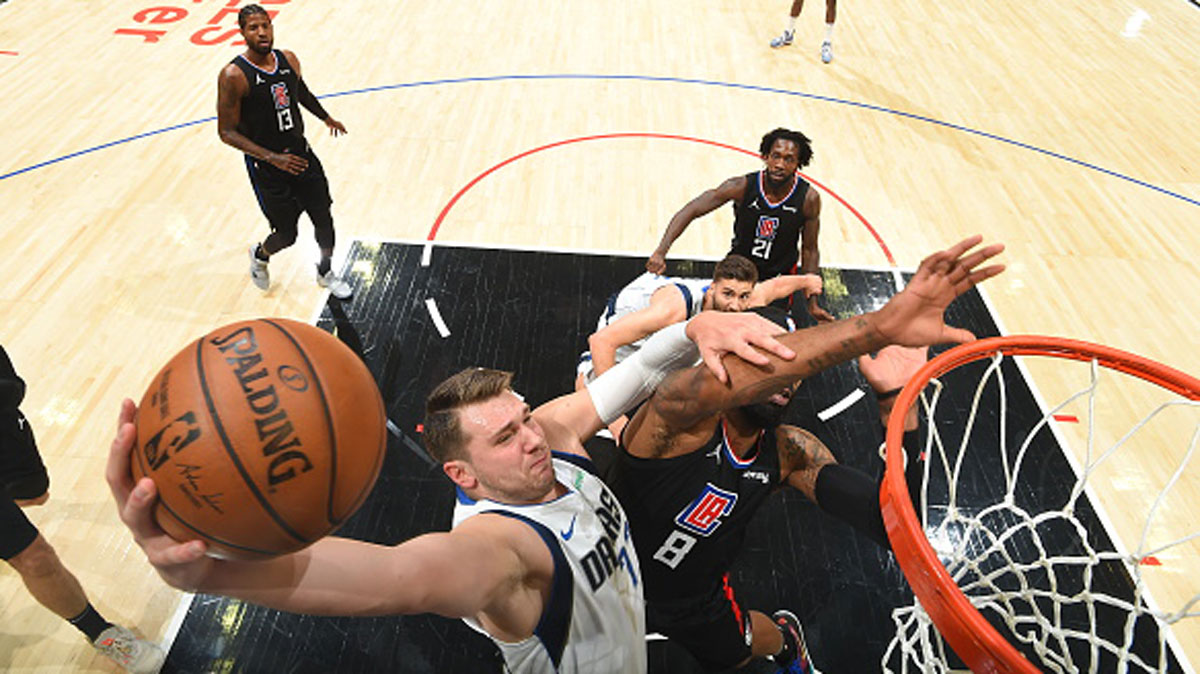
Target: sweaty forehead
(488, 416)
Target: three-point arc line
(664, 136)
(426, 254)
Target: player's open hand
(286, 161)
(182, 565)
(336, 128)
(717, 333)
(892, 367)
(914, 317)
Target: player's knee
(285, 238)
(38, 559)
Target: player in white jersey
(556, 588)
(595, 604)
(497, 570)
(652, 302)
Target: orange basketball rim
(979, 645)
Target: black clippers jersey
(270, 111)
(767, 233)
(688, 514)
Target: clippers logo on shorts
(279, 92)
(704, 514)
(767, 228)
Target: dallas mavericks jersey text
(595, 620)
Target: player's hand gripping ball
(261, 436)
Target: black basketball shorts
(712, 627)
(283, 196)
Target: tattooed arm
(801, 457)
(687, 401)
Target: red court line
(5, 52)
(1068, 418)
(610, 136)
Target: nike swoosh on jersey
(571, 531)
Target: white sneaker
(336, 285)
(135, 655)
(826, 52)
(783, 40)
(258, 271)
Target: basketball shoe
(783, 40)
(258, 271)
(826, 52)
(135, 655)
(793, 659)
(335, 284)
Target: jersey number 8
(675, 548)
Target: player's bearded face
(769, 413)
(259, 34)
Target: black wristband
(889, 394)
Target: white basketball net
(1047, 598)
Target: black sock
(853, 497)
(324, 266)
(260, 253)
(90, 623)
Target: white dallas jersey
(635, 297)
(595, 620)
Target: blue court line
(651, 78)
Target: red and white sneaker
(793, 659)
(133, 654)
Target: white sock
(791, 24)
(829, 32)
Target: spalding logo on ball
(262, 437)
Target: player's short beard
(763, 415)
(261, 51)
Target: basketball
(261, 436)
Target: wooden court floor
(1067, 130)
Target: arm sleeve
(310, 102)
(635, 378)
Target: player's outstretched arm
(784, 286)
(666, 307)
(707, 202)
(810, 251)
(459, 573)
(708, 336)
(914, 317)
